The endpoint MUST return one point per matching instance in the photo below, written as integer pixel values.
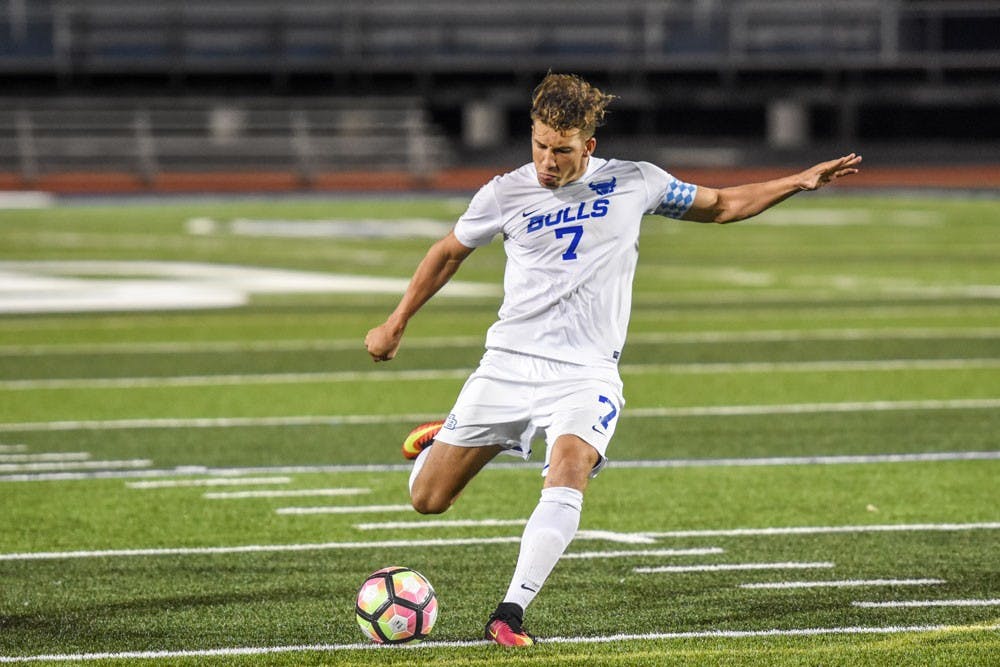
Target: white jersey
(571, 254)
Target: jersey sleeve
(666, 195)
(481, 221)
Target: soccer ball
(396, 605)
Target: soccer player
(570, 227)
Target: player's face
(559, 157)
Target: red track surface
(982, 177)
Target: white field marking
(811, 366)
(29, 199)
(586, 555)
(924, 457)
(858, 459)
(212, 481)
(274, 548)
(441, 523)
(241, 379)
(287, 345)
(828, 217)
(74, 465)
(930, 603)
(432, 644)
(847, 583)
(604, 535)
(423, 375)
(13, 448)
(294, 493)
(825, 530)
(320, 345)
(51, 286)
(219, 422)
(343, 509)
(613, 536)
(800, 335)
(335, 228)
(727, 567)
(47, 456)
(816, 408)
(336, 420)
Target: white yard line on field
(607, 536)
(847, 583)
(296, 493)
(929, 603)
(839, 217)
(343, 509)
(587, 555)
(730, 567)
(13, 448)
(230, 380)
(856, 459)
(844, 459)
(212, 481)
(219, 422)
(73, 465)
(812, 366)
(826, 530)
(430, 342)
(441, 523)
(432, 644)
(424, 375)
(416, 418)
(46, 456)
(814, 408)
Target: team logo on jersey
(603, 187)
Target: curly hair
(566, 102)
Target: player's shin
(549, 531)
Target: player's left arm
(740, 202)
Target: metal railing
(149, 136)
(115, 36)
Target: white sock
(418, 463)
(549, 531)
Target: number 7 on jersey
(577, 233)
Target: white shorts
(511, 398)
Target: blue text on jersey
(597, 209)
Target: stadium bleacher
(308, 91)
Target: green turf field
(805, 472)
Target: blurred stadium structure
(114, 95)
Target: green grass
(911, 281)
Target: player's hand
(823, 173)
(383, 341)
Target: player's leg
(578, 410)
(442, 471)
(490, 414)
(548, 532)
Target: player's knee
(572, 462)
(427, 501)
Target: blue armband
(676, 200)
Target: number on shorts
(606, 419)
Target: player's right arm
(434, 271)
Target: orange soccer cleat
(419, 438)
(504, 627)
